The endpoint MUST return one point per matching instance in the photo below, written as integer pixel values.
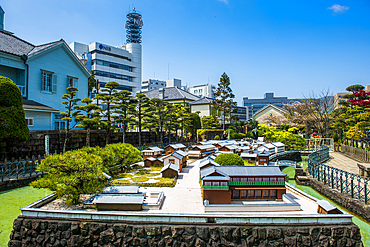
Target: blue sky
(291, 48)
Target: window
(258, 193)
(29, 121)
(243, 179)
(216, 183)
(273, 193)
(250, 193)
(207, 183)
(48, 81)
(265, 193)
(195, 91)
(236, 193)
(265, 179)
(72, 82)
(258, 179)
(280, 179)
(112, 65)
(113, 75)
(251, 179)
(59, 125)
(236, 179)
(243, 193)
(223, 183)
(272, 179)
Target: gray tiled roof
(170, 166)
(119, 199)
(11, 44)
(30, 104)
(40, 48)
(212, 169)
(202, 101)
(249, 170)
(121, 189)
(170, 93)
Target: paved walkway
(341, 161)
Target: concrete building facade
(205, 90)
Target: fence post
(332, 179)
(352, 187)
(341, 182)
(365, 191)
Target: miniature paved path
(341, 161)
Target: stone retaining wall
(52, 232)
(16, 183)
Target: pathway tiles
(343, 162)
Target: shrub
(116, 157)
(217, 137)
(72, 174)
(13, 125)
(249, 134)
(229, 160)
(237, 136)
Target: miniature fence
(352, 184)
(355, 152)
(19, 169)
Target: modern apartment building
(154, 84)
(120, 64)
(205, 90)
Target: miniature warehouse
(210, 205)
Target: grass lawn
(246, 163)
(142, 175)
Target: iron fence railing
(352, 184)
(18, 169)
(357, 153)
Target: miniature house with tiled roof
(221, 184)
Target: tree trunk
(88, 137)
(65, 141)
(124, 133)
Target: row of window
(113, 75)
(111, 64)
(49, 81)
(258, 194)
(57, 125)
(215, 183)
(111, 55)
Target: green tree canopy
(228, 159)
(13, 125)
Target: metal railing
(256, 183)
(316, 143)
(216, 187)
(352, 184)
(18, 169)
(357, 153)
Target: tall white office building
(205, 90)
(119, 64)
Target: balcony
(22, 89)
(216, 187)
(233, 183)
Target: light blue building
(42, 73)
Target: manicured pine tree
(72, 111)
(91, 118)
(108, 98)
(124, 108)
(141, 112)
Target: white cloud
(224, 1)
(338, 9)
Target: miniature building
(204, 150)
(229, 148)
(184, 157)
(119, 202)
(221, 184)
(174, 158)
(270, 147)
(151, 161)
(263, 158)
(207, 162)
(170, 171)
(174, 147)
(326, 207)
(152, 152)
(280, 147)
(121, 189)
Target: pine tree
(71, 112)
(108, 98)
(91, 119)
(124, 109)
(141, 111)
(223, 101)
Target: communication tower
(133, 26)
